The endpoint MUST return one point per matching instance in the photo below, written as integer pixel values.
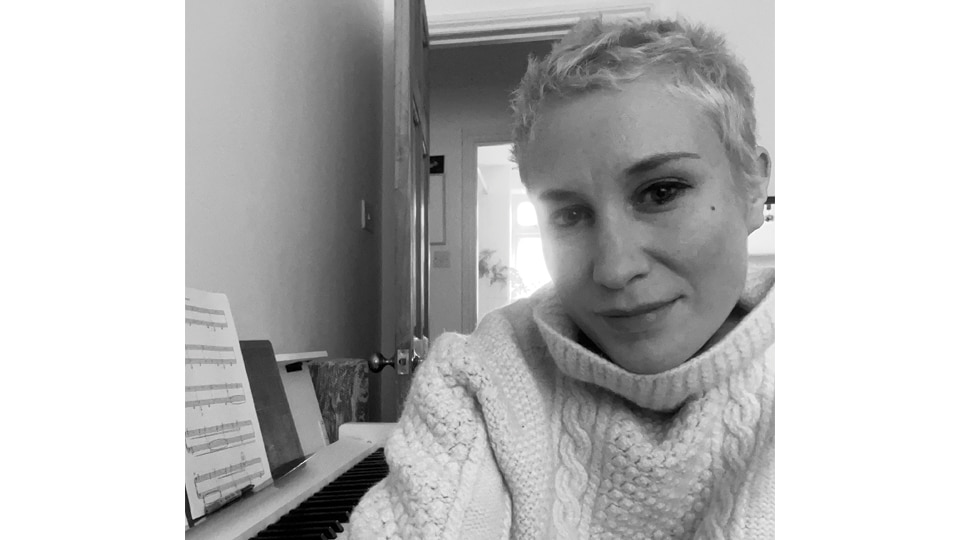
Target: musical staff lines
(210, 355)
(211, 318)
(225, 481)
(211, 445)
(225, 427)
(228, 399)
(211, 387)
(225, 471)
(221, 444)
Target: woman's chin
(650, 357)
(649, 366)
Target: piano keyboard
(324, 514)
(334, 479)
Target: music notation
(228, 399)
(217, 438)
(224, 448)
(216, 487)
(210, 355)
(225, 471)
(217, 430)
(209, 387)
(221, 444)
(211, 318)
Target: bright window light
(530, 265)
(526, 215)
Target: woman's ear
(756, 189)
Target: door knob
(404, 361)
(377, 362)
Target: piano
(314, 500)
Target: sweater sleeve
(443, 480)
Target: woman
(634, 397)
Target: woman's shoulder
(517, 318)
(512, 330)
(505, 340)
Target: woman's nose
(619, 256)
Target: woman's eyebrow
(644, 165)
(557, 195)
(650, 163)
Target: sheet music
(224, 447)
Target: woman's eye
(568, 217)
(661, 193)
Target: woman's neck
(736, 315)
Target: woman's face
(644, 225)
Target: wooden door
(411, 183)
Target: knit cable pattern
(583, 449)
(740, 420)
(577, 414)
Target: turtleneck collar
(668, 390)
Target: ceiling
(468, 22)
(467, 8)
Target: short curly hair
(600, 55)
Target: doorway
(509, 253)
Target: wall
(469, 95)
(493, 232)
(280, 149)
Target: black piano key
(328, 526)
(345, 490)
(339, 515)
(323, 514)
(307, 514)
(357, 475)
(322, 504)
(366, 472)
(361, 469)
(304, 535)
(313, 532)
(333, 496)
(318, 523)
(350, 500)
(368, 466)
(351, 484)
(327, 514)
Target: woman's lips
(637, 318)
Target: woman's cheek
(565, 260)
(550, 257)
(694, 236)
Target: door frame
(472, 138)
(539, 22)
(403, 158)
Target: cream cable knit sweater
(517, 431)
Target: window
(526, 248)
